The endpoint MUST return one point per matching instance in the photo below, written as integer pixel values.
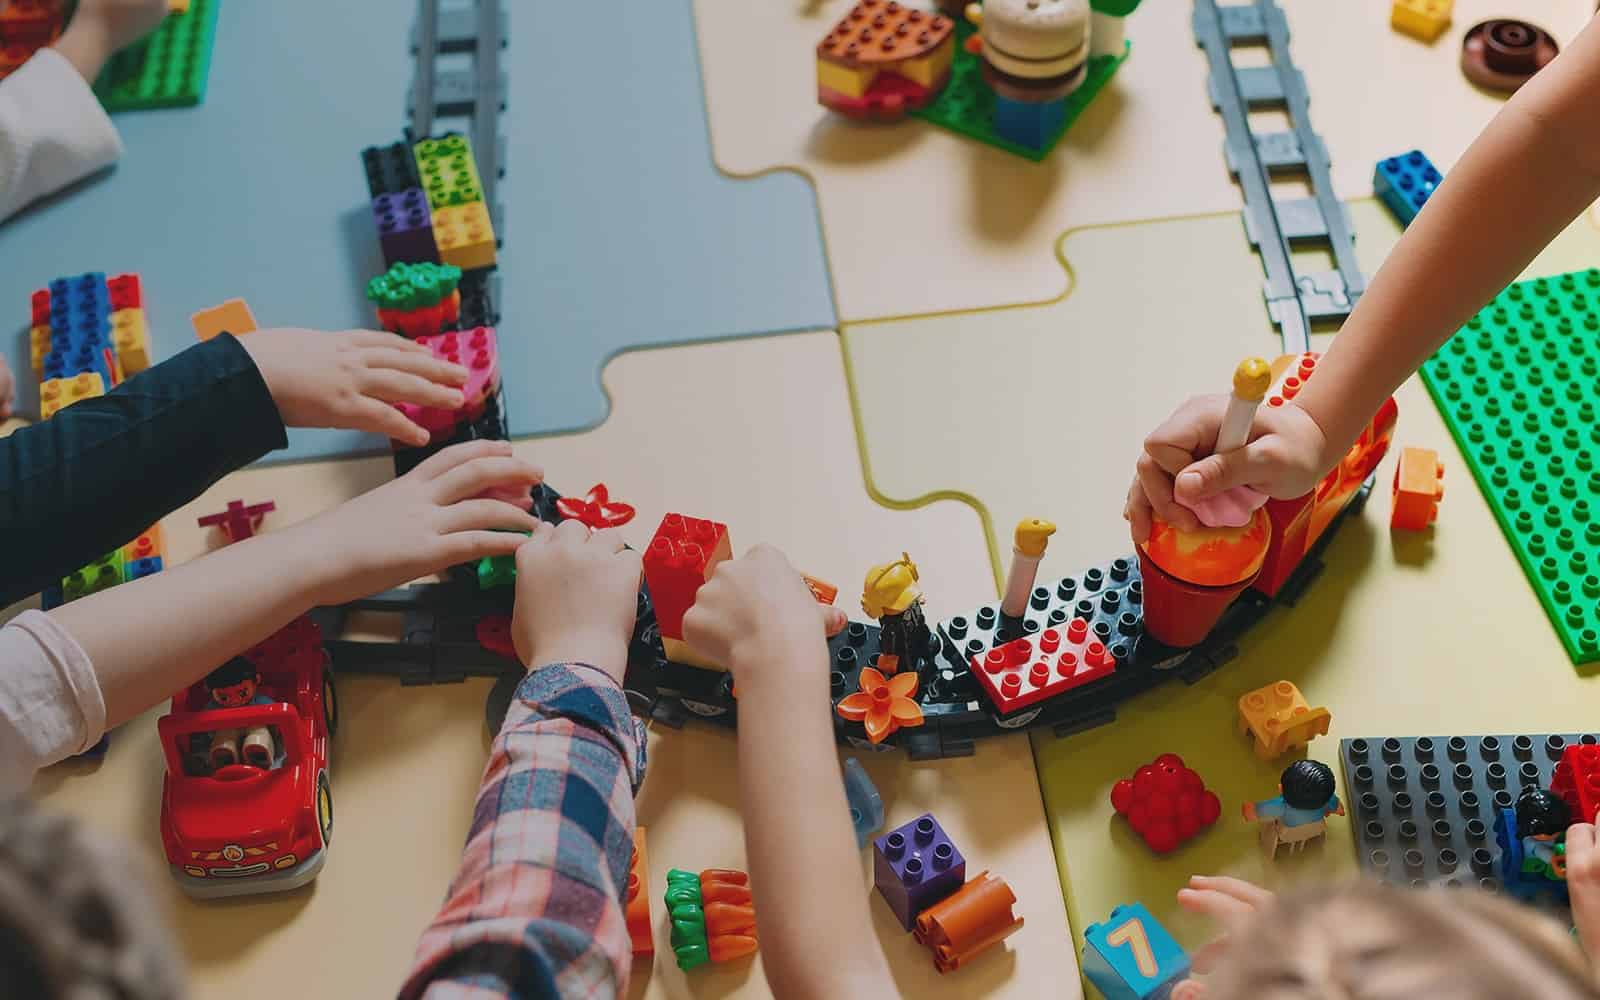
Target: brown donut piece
(1503, 54)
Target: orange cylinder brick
(962, 926)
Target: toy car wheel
(1018, 721)
(330, 701)
(325, 808)
(704, 710)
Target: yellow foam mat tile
(918, 220)
(1040, 411)
(785, 471)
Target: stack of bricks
(26, 26)
(86, 334)
(427, 203)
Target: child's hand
(349, 379)
(1583, 885)
(1230, 902)
(1284, 459)
(433, 517)
(577, 597)
(101, 27)
(753, 611)
(8, 388)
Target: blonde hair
(1368, 941)
(75, 921)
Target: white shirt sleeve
(53, 131)
(51, 706)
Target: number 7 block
(1132, 957)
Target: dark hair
(1307, 784)
(235, 671)
(1541, 812)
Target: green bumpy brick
(1519, 388)
(496, 571)
(449, 171)
(688, 917)
(102, 574)
(966, 104)
(168, 69)
(405, 287)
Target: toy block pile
(427, 203)
(923, 877)
(167, 69)
(86, 334)
(26, 26)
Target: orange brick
(1280, 719)
(1417, 489)
(233, 316)
(638, 898)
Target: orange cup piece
(1211, 557)
(965, 924)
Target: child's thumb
(1212, 475)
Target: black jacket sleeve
(97, 474)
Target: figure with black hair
(236, 684)
(1542, 821)
(1300, 812)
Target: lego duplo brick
(168, 69)
(884, 59)
(1517, 387)
(636, 898)
(405, 226)
(968, 922)
(390, 170)
(866, 805)
(1404, 184)
(1166, 803)
(102, 574)
(464, 235)
(1417, 489)
(1278, 719)
(1422, 809)
(1025, 671)
(448, 171)
(233, 316)
(915, 866)
(30, 24)
(130, 338)
(1424, 20)
(680, 557)
(58, 393)
(474, 350)
(966, 105)
(1130, 956)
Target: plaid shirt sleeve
(536, 907)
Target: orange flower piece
(883, 705)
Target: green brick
(688, 917)
(496, 571)
(449, 171)
(413, 286)
(1519, 388)
(102, 574)
(966, 105)
(168, 69)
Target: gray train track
(457, 46)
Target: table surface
(1405, 636)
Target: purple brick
(915, 866)
(405, 227)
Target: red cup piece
(1502, 54)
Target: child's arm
(1534, 169)
(1583, 884)
(536, 907)
(95, 475)
(52, 129)
(757, 616)
(99, 661)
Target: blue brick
(135, 568)
(915, 867)
(1405, 183)
(1027, 123)
(1114, 969)
(866, 805)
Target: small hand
(435, 516)
(8, 388)
(1231, 902)
(1582, 862)
(102, 27)
(1284, 459)
(350, 379)
(754, 608)
(577, 597)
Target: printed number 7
(1132, 934)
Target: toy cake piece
(884, 59)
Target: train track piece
(458, 47)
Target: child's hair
(1307, 784)
(1541, 812)
(74, 921)
(1368, 941)
(235, 671)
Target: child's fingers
(1217, 905)
(480, 474)
(471, 515)
(1157, 489)
(403, 387)
(833, 620)
(422, 364)
(1580, 838)
(1238, 888)
(1137, 511)
(609, 539)
(438, 464)
(381, 418)
(469, 546)
(382, 338)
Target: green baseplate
(169, 69)
(966, 104)
(1519, 388)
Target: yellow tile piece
(465, 235)
(131, 339)
(233, 316)
(38, 347)
(1279, 719)
(931, 68)
(844, 79)
(1424, 20)
(58, 393)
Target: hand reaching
(1229, 902)
(1583, 885)
(350, 379)
(102, 27)
(577, 596)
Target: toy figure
(1542, 820)
(234, 685)
(1301, 810)
(891, 598)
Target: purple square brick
(405, 227)
(915, 866)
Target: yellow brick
(58, 393)
(1425, 20)
(931, 68)
(233, 316)
(38, 347)
(131, 339)
(465, 235)
(844, 79)
(177, 6)
(1279, 718)
(678, 651)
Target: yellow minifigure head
(890, 588)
